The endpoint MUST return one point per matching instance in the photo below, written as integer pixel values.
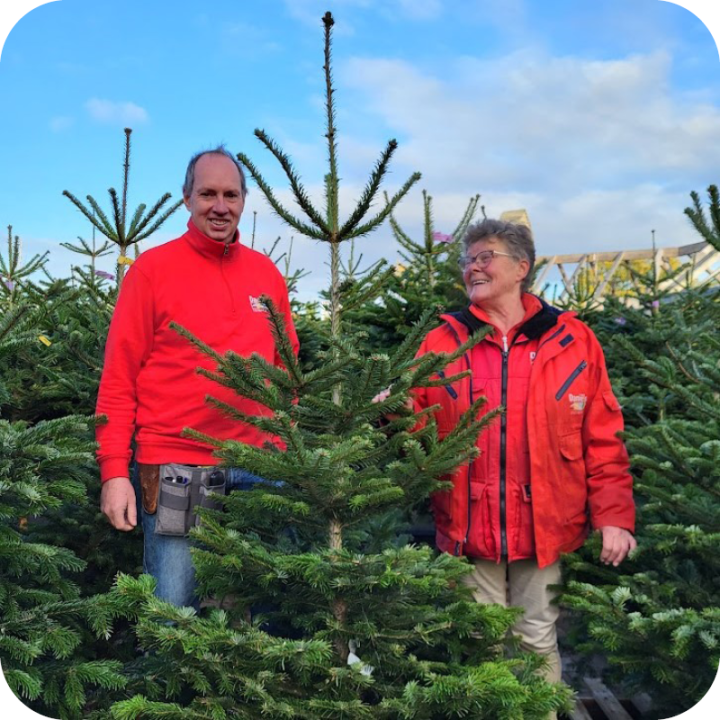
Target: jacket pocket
(571, 446)
(481, 530)
(573, 481)
(441, 503)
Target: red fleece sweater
(150, 385)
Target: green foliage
(709, 230)
(429, 278)
(665, 362)
(43, 619)
(13, 272)
(144, 222)
(56, 551)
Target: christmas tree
(44, 621)
(427, 277)
(143, 223)
(666, 596)
(356, 624)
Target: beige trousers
(523, 584)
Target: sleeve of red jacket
(129, 343)
(606, 459)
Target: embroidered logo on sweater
(577, 402)
(256, 304)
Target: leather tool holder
(149, 486)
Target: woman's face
(498, 278)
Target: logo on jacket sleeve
(256, 304)
(577, 402)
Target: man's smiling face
(216, 200)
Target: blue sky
(597, 117)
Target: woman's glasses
(482, 259)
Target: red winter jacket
(150, 382)
(552, 465)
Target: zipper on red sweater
(226, 251)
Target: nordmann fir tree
(427, 277)
(142, 225)
(44, 621)
(355, 633)
(63, 380)
(434, 245)
(53, 374)
(13, 272)
(667, 598)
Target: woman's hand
(384, 395)
(617, 543)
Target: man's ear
(186, 201)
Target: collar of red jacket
(531, 304)
(535, 325)
(208, 247)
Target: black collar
(534, 328)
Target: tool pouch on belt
(181, 490)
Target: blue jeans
(167, 557)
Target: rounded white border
(707, 11)
(11, 12)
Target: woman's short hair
(517, 238)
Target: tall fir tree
(428, 276)
(143, 223)
(362, 627)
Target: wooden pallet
(601, 703)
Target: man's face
(216, 201)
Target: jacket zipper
(570, 380)
(503, 450)
(469, 467)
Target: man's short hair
(219, 150)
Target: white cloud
(123, 113)
(599, 152)
(60, 123)
(530, 121)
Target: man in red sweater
(210, 284)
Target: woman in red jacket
(552, 467)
